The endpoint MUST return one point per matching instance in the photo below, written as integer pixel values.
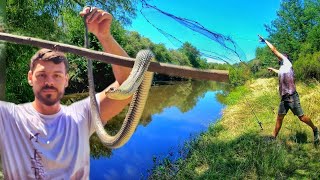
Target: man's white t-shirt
(37, 146)
(286, 78)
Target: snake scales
(137, 84)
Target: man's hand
(261, 38)
(272, 69)
(98, 21)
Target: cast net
(178, 30)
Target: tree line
(295, 31)
(59, 21)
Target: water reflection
(172, 114)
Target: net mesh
(179, 30)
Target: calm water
(173, 114)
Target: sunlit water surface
(189, 112)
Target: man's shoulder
(9, 108)
(81, 102)
(286, 61)
(77, 104)
(8, 105)
(14, 104)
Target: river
(173, 115)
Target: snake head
(110, 91)
(117, 94)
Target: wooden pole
(2, 53)
(163, 68)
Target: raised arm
(273, 48)
(99, 23)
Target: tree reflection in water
(182, 95)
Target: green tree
(296, 32)
(57, 21)
(161, 53)
(27, 18)
(179, 58)
(192, 53)
(239, 74)
(308, 67)
(133, 42)
(290, 29)
(264, 59)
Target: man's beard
(48, 98)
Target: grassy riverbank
(235, 147)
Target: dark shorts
(291, 102)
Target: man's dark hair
(49, 55)
(286, 55)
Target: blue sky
(242, 20)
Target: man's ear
(67, 81)
(30, 78)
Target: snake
(137, 85)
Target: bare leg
(278, 125)
(315, 130)
(308, 121)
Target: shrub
(308, 67)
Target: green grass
(236, 148)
